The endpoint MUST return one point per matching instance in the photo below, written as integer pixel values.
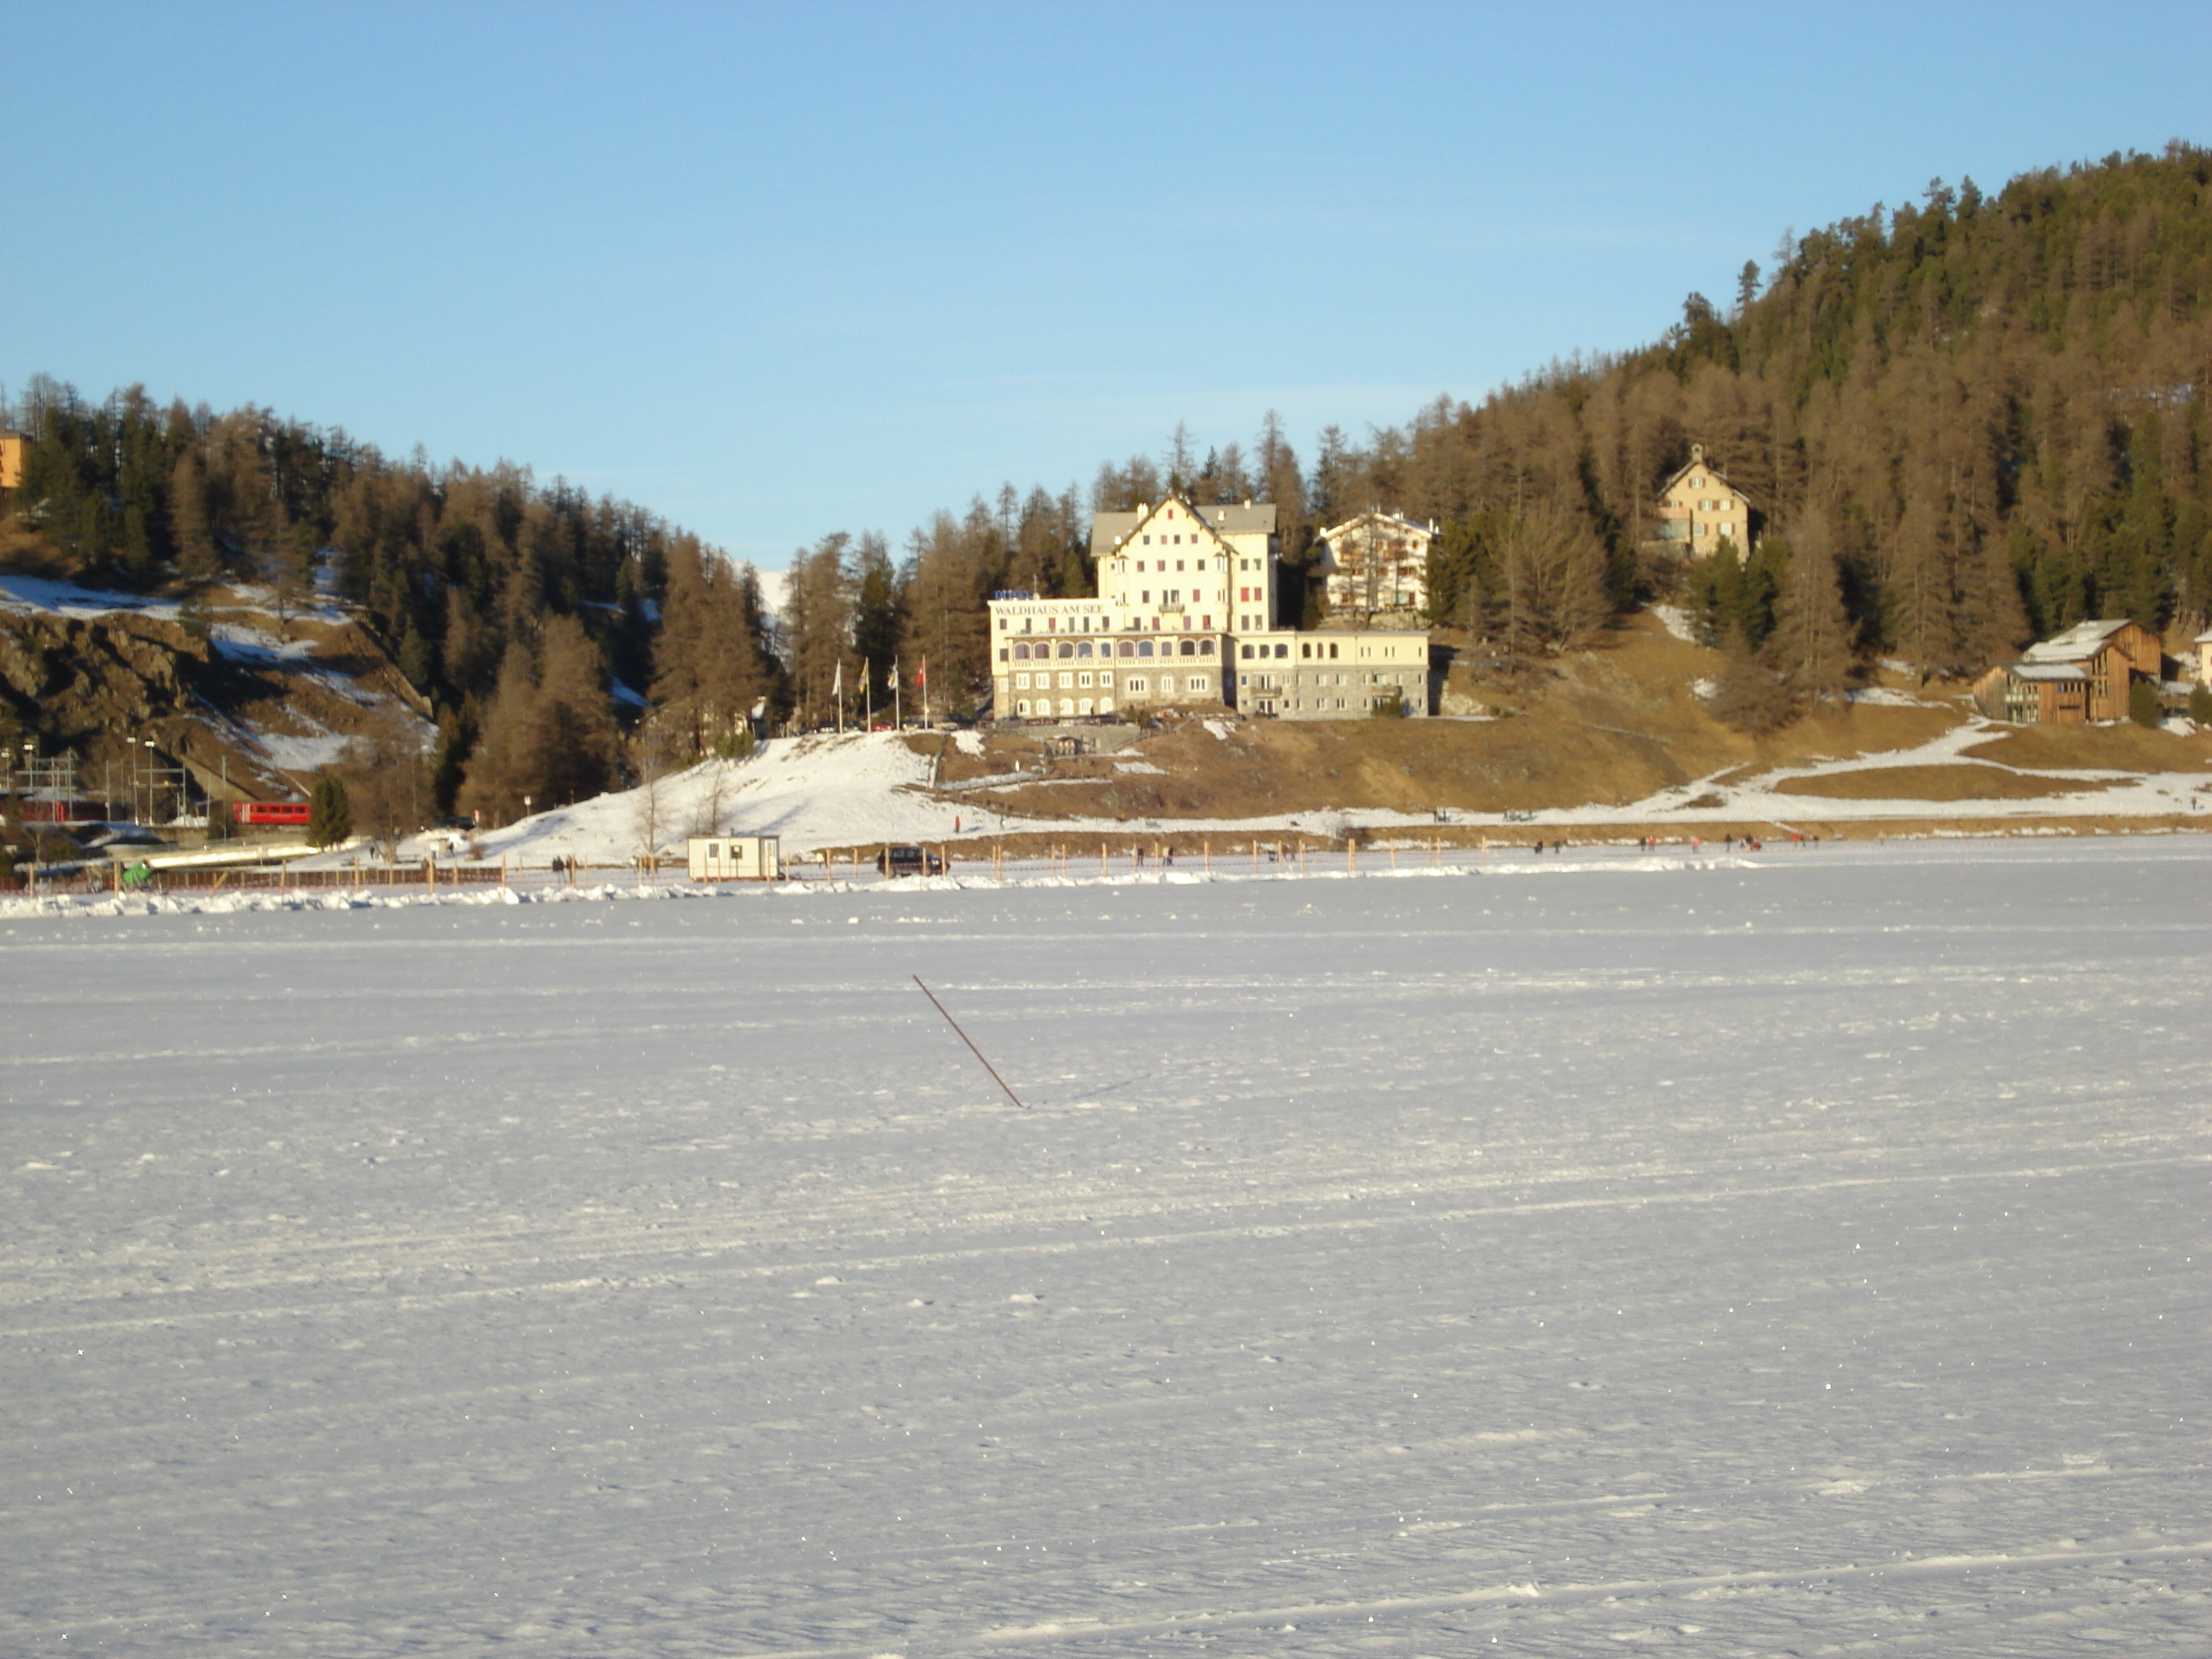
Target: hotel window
(1022, 682)
(1022, 708)
(1105, 682)
(1082, 679)
(1196, 682)
(1067, 680)
(1134, 682)
(1167, 686)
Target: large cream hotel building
(1185, 616)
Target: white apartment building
(1182, 590)
(1375, 562)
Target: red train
(266, 814)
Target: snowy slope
(1720, 1261)
(812, 791)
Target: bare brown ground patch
(1934, 783)
(1011, 750)
(2121, 748)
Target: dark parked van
(908, 861)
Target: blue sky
(777, 271)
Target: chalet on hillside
(1699, 509)
(2082, 675)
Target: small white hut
(733, 858)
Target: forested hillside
(1977, 418)
(515, 607)
(1965, 422)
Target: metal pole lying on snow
(964, 1036)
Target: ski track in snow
(1717, 1259)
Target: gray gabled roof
(2048, 671)
(1107, 529)
(1697, 459)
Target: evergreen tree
(1551, 581)
(457, 740)
(1751, 695)
(575, 745)
(1811, 643)
(876, 616)
(817, 627)
(330, 813)
(500, 770)
(2145, 706)
(188, 512)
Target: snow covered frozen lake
(1726, 1261)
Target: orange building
(14, 446)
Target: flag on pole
(837, 683)
(921, 674)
